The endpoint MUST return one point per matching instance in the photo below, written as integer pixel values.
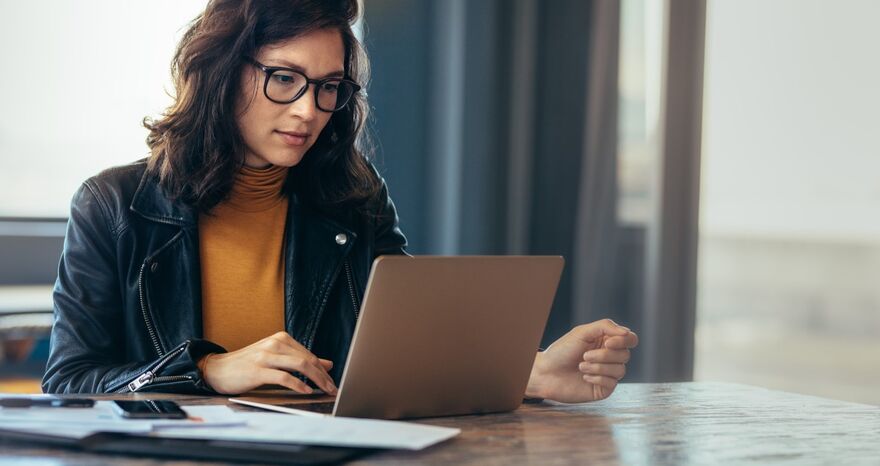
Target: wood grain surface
(682, 423)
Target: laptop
(442, 336)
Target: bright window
(78, 78)
(790, 240)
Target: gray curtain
(497, 127)
(502, 139)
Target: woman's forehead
(319, 52)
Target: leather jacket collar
(150, 202)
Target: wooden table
(683, 423)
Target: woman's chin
(286, 158)
(278, 156)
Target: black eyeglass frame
(270, 70)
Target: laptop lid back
(440, 336)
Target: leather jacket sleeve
(389, 239)
(87, 343)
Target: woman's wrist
(203, 363)
(534, 388)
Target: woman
(236, 255)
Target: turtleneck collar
(257, 189)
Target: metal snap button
(341, 239)
(154, 267)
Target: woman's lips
(293, 139)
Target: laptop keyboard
(324, 407)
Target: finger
(289, 342)
(629, 340)
(309, 366)
(615, 371)
(312, 368)
(285, 379)
(608, 356)
(283, 343)
(602, 381)
(592, 331)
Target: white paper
(222, 423)
(78, 431)
(331, 431)
(81, 422)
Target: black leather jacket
(128, 293)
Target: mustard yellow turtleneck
(241, 247)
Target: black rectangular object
(198, 449)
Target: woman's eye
(283, 78)
(330, 87)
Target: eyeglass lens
(286, 86)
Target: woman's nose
(304, 107)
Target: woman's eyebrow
(287, 64)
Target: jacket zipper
(311, 339)
(354, 303)
(149, 376)
(348, 276)
(144, 309)
(153, 337)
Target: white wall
(792, 117)
(77, 79)
(790, 212)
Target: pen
(46, 402)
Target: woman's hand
(584, 365)
(268, 361)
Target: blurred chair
(25, 324)
(29, 252)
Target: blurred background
(708, 168)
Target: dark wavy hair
(196, 146)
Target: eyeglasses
(285, 85)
